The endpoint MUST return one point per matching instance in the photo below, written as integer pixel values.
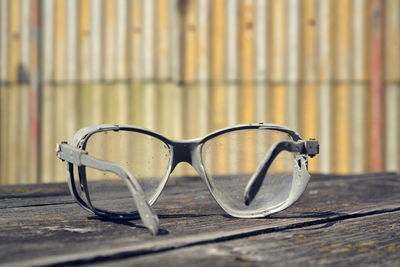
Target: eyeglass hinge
(312, 147)
(69, 153)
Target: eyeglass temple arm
(81, 158)
(310, 148)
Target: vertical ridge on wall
(24, 151)
(376, 90)
(359, 88)
(308, 94)
(163, 66)
(147, 63)
(32, 135)
(59, 75)
(176, 33)
(71, 43)
(246, 61)
(84, 40)
(163, 40)
(147, 60)
(392, 85)
(246, 93)
(136, 40)
(96, 44)
(121, 63)
(203, 65)
(4, 25)
(231, 75)
(231, 59)
(109, 40)
(217, 58)
(84, 35)
(13, 91)
(189, 57)
(278, 56)
(261, 60)
(342, 93)
(47, 111)
(96, 101)
(34, 93)
(72, 40)
(324, 22)
(293, 73)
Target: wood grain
(333, 243)
(326, 221)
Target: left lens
(230, 159)
(146, 157)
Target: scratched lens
(230, 159)
(146, 158)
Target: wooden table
(339, 220)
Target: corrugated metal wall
(329, 69)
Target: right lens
(230, 159)
(146, 157)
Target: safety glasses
(253, 170)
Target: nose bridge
(183, 152)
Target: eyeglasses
(251, 170)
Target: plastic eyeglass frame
(182, 151)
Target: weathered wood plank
(333, 243)
(52, 216)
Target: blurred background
(329, 69)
